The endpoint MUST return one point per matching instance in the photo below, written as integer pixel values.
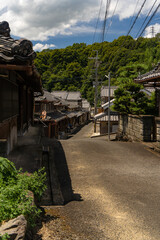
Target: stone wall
(138, 128)
(157, 123)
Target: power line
(149, 20)
(136, 17)
(128, 33)
(134, 13)
(97, 21)
(146, 18)
(105, 18)
(112, 17)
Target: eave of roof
(152, 76)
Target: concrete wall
(138, 128)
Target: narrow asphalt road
(118, 184)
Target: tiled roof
(151, 76)
(105, 91)
(18, 55)
(74, 96)
(104, 117)
(14, 51)
(57, 116)
(61, 94)
(69, 96)
(47, 96)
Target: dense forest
(72, 69)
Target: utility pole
(95, 83)
(109, 93)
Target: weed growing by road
(15, 189)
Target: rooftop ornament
(14, 51)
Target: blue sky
(57, 24)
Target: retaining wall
(139, 128)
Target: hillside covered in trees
(71, 69)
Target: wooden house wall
(41, 106)
(8, 99)
(16, 108)
(26, 103)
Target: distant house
(47, 112)
(59, 113)
(102, 119)
(73, 99)
(46, 102)
(86, 105)
(18, 82)
(105, 93)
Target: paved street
(116, 187)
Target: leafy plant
(129, 99)
(7, 169)
(4, 237)
(14, 192)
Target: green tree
(129, 99)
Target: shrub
(14, 187)
(4, 237)
(130, 99)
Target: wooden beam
(152, 79)
(154, 85)
(28, 69)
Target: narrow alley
(116, 189)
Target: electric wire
(136, 17)
(149, 20)
(105, 18)
(127, 34)
(109, 25)
(97, 21)
(134, 12)
(146, 18)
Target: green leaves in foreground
(15, 187)
(7, 169)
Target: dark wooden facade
(18, 82)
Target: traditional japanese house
(105, 93)
(18, 82)
(59, 116)
(73, 99)
(103, 117)
(78, 109)
(48, 114)
(46, 103)
(151, 80)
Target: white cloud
(40, 46)
(152, 30)
(39, 19)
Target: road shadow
(63, 176)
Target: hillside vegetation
(71, 69)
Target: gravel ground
(54, 226)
